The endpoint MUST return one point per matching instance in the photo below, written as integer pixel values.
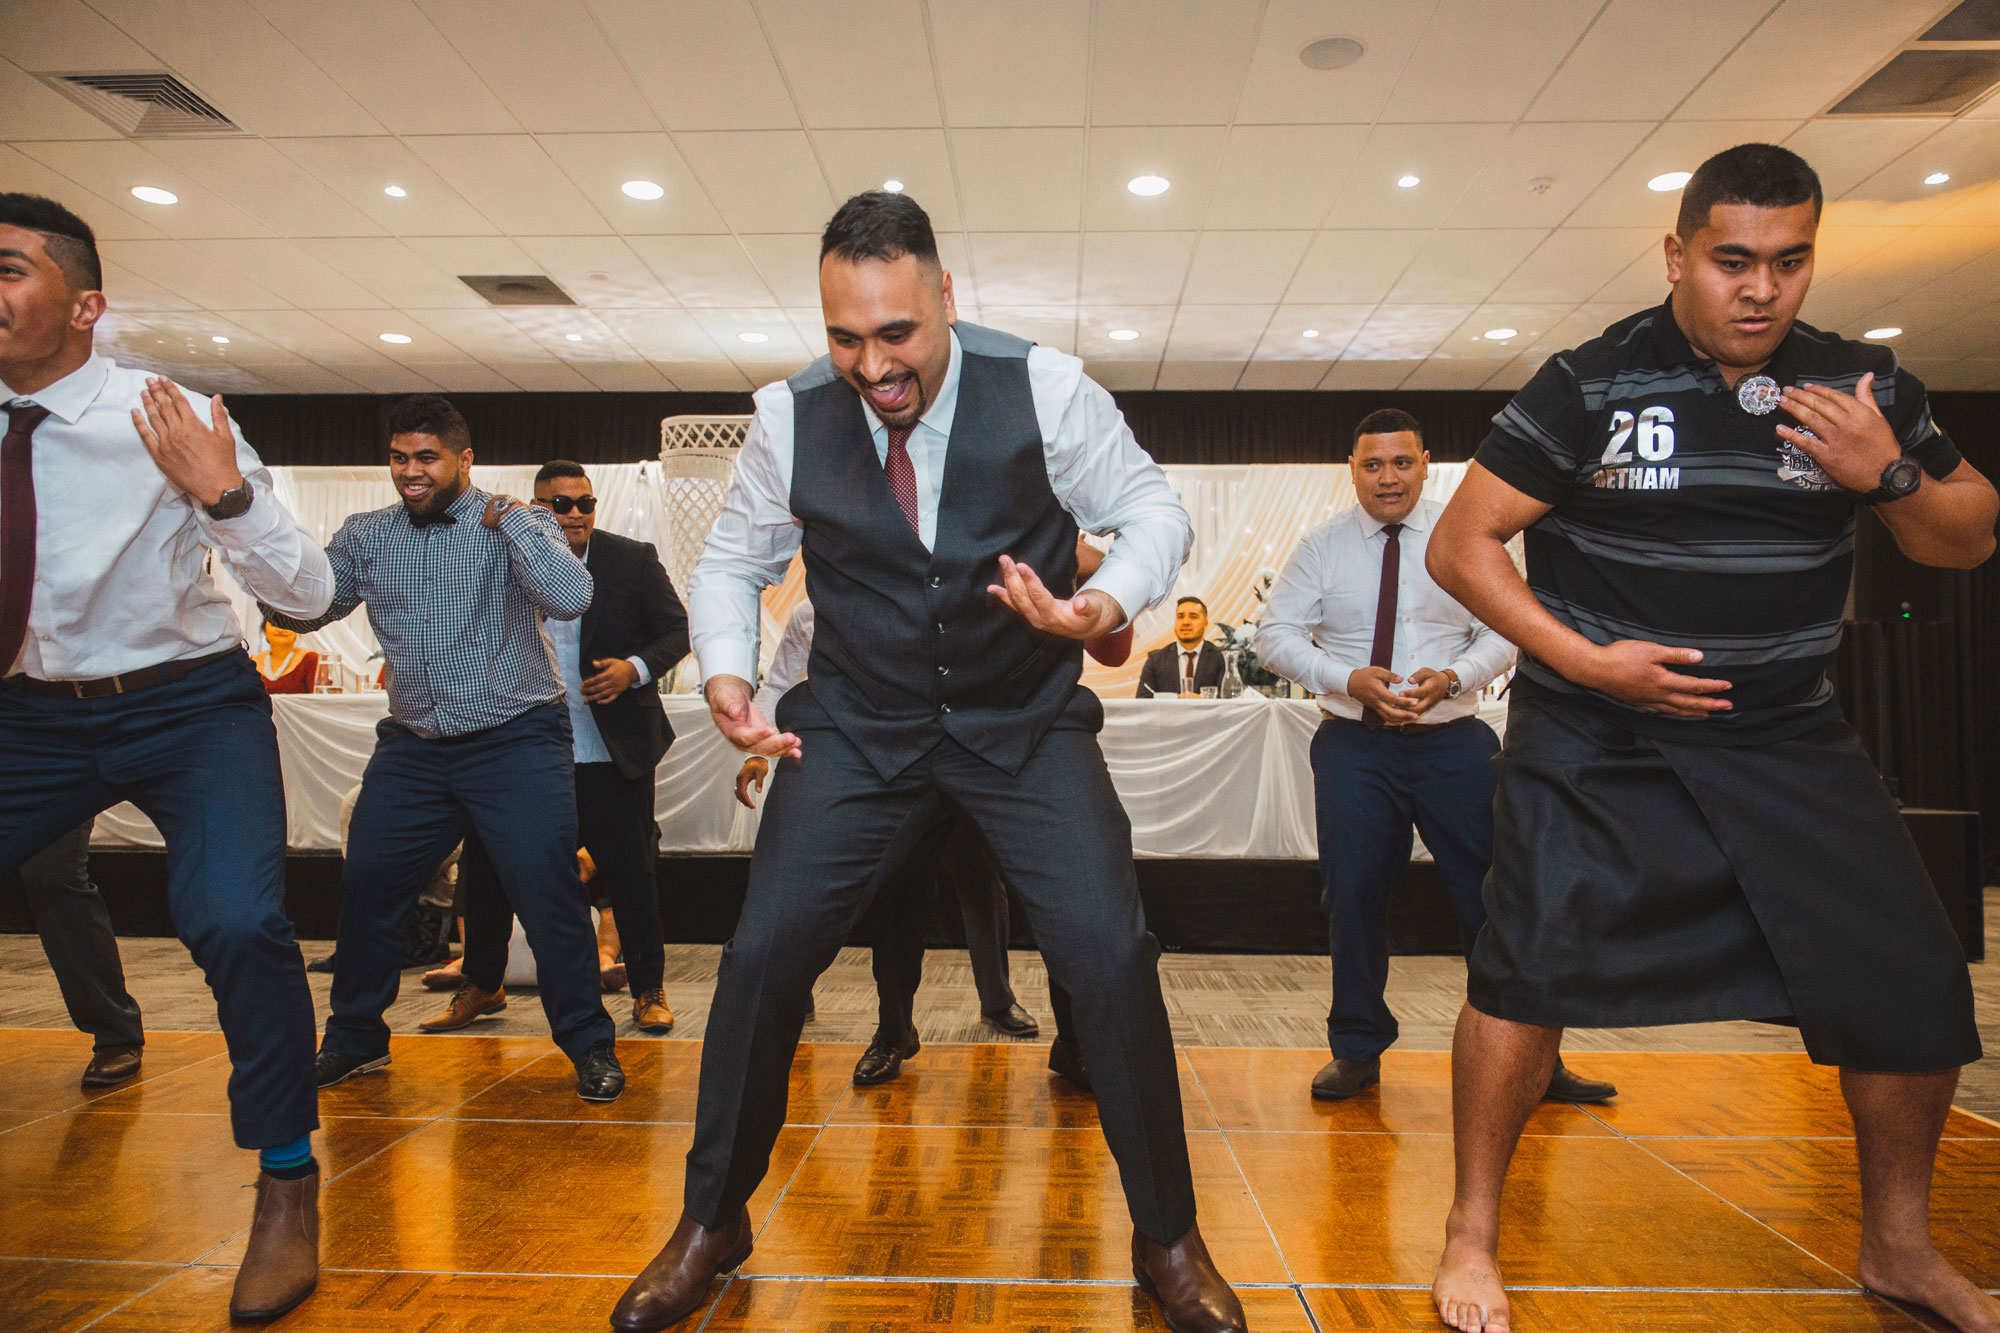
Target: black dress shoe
(1066, 1061)
(1338, 1080)
(675, 1283)
(1013, 1021)
(1567, 1087)
(112, 1065)
(883, 1060)
(599, 1076)
(329, 1067)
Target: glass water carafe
(1232, 679)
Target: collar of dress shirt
(470, 504)
(941, 413)
(69, 396)
(1418, 518)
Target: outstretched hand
(1084, 616)
(198, 457)
(737, 718)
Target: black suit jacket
(1162, 672)
(634, 612)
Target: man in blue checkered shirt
(457, 582)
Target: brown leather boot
(676, 1283)
(467, 1003)
(1182, 1278)
(650, 1012)
(281, 1266)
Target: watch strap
(232, 503)
(1889, 490)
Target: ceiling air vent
(1924, 83)
(516, 289)
(1973, 21)
(144, 104)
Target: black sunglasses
(562, 504)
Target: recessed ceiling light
(1937, 178)
(1147, 185)
(645, 190)
(1669, 180)
(1889, 332)
(218, 338)
(1408, 182)
(754, 337)
(1312, 333)
(1331, 53)
(1122, 335)
(397, 338)
(574, 337)
(152, 194)
(1499, 335)
(395, 191)
(893, 186)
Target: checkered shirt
(458, 609)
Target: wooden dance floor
(469, 1189)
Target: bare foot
(610, 975)
(444, 978)
(1467, 1290)
(1923, 1277)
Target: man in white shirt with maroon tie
(1398, 666)
(123, 677)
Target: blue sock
(287, 1160)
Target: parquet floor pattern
(468, 1189)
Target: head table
(1200, 778)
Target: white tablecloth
(1199, 778)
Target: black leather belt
(166, 673)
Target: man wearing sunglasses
(611, 660)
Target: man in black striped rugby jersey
(1685, 828)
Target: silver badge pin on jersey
(1759, 395)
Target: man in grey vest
(934, 475)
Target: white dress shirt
(1319, 619)
(1096, 469)
(121, 578)
(788, 663)
(586, 741)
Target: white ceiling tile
(262, 182)
(704, 64)
(1123, 376)
(1217, 333)
(242, 65)
(398, 274)
(1543, 171)
(1404, 332)
(1641, 283)
(290, 273)
(464, 376)
(1446, 159)
(1579, 326)
(853, 66)
(393, 61)
(70, 35)
(1514, 375)
(706, 377)
(113, 219)
(1095, 323)
(512, 181)
(1464, 265)
(1354, 267)
(1350, 374)
(763, 180)
(626, 376)
(112, 167)
(127, 292)
(1199, 376)
(468, 256)
(704, 271)
(1637, 64)
(1282, 89)
(1138, 268)
(664, 335)
(1187, 156)
(1836, 247)
(859, 160)
(543, 376)
(1284, 375)
(1278, 176)
(305, 377)
(1333, 326)
(30, 109)
(1443, 373)
(1804, 56)
(1623, 199)
(389, 378)
(359, 170)
(1025, 268)
(181, 270)
(789, 264)
(1020, 179)
(1532, 323)
(597, 271)
(1967, 150)
(547, 60)
(1237, 267)
(1574, 263)
(1023, 63)
(600, 164)
(1051, 326)
(1168, 62)
(809, 322)
(1847, 150)
(1475, 62)
(308, 336)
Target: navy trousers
(82, 949)
(200, 757)
(512, 785)
(1369, 789)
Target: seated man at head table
(1188, 665)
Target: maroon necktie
(903, 474)
(1385, 611)
(17, 527)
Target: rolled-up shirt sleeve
(749, 548)
(1108, 483)
(1486, 656)
(270, 554)
(1293, 609)
(542, 563)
